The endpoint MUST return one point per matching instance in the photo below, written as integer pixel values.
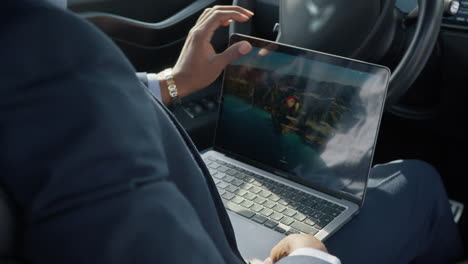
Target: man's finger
(234, 8)
(203, 16)
(218, 18)
(208, 11)
(232, 53)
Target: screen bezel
(317, 56)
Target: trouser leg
(406, 217)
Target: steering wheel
(369, 30)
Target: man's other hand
(291, 243)
(199, 65)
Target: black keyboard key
(249, 196)
(238, 209)
(228, 196)
(317, 206)
(326, 210)
(246, 186)
(279, 208)
(308, 202)
(269, 204)
(322, 201)
(276, 216)
(241, 192)
(276, 190)
(299, 217)
(240, 176)
(291, 232)
(335, 213)
(330, 211)
(222, 185)
(256, 208)
(304, 228)
(237, 200)
(231, 188)
(259, 219)
(310, 221)
(237, 182)
(306, 210)
(274, 198)
(259, 200)
(223, 169)
(249, 179)
(266, 212)
(287, 221)
(228, 178)
(265, 193)
(214, 166)
(294, 205)
(279, 229)
(247, 203)
(219, 175)
(297, 198)
(325, 219)
(316, 215)
(320, 224)
(289, 212)
(341, 208)
(255, 190)
(257, 183)
(271, 224)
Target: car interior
(423, 42)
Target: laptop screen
(304, 115)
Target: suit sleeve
(151, 81)
(81, 153)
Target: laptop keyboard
(272, 204)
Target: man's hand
(198, 64)
(292, 242)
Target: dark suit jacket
(99, 170)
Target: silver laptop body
(265, 198)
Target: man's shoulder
(38, 39)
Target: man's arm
(82, 153)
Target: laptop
(294, 142)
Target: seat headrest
(7, 225)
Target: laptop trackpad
(253, 240)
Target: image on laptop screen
(313, 116)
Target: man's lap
(404, 216)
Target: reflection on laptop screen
(314, 117)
